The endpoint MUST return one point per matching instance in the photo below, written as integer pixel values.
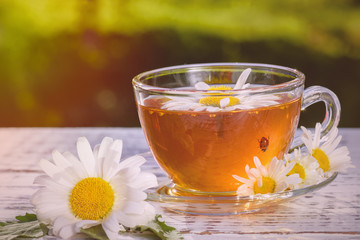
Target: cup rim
(292, 84)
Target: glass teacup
(204, 123)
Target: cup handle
(316, 94)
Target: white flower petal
(273, 166)
(293, 179)
(104, 146)
(316, 142)
(183, 107)
(65, 178)
(134, 161)
(86, 156)
(84, 224)
(133, 208)
(331, 135)
(246, 85)
(245, 190)
(255, 172)
(241, 179)
(111, 160)
(281, 186)
(132, 220)
(49, 205)
(96, 151)
(73, 174)
(248, 172)
(331, 146)
(49, 213)
(50, 183)
(199, 108)
(260, 167)
(224, 102)
(307, 139)
(201, 86)
(60, 160)
(77, 166)
(242, 78)
(288, 168)
(170, 104)
(64, 228)
(136, 194)
(112, 227)
(144, 180)
(70, 157)
(48, 167)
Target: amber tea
(202, 150)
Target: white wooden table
(330, 213)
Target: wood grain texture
(330, 213)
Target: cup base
(191, 202)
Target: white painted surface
(330, 213)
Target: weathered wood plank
(330, 213)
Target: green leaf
(44, 228)
(96, 232)
(161, 229)
(21, 230)
(27, 218)
(155, 227)
(26, 227)
(163, 225)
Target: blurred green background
(70, 63)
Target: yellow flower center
(92, 198)
(268, 186)
(215, 101)
(299, 170)
(219, 88)
(322, 159)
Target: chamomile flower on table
(214, 103)
(330, 157)
(95, 189)
(264, 180)
(306, 166)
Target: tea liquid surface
(202, 150)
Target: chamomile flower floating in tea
(97, 189)
(306, 166)
(216, 102)
(263, 180)
(330, 158)
(240, 83)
